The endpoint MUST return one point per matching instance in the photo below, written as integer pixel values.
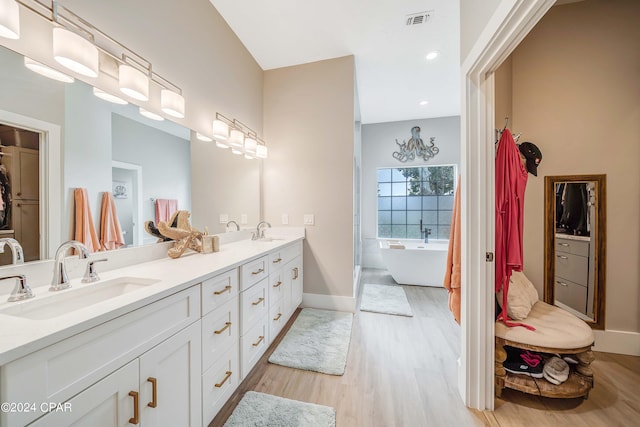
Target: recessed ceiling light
(432, 55)
(423, 103)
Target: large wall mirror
(575, 245)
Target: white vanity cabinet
(281, 282)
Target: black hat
(533, 155)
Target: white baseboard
(329, 302)
(620, 342)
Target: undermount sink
(80, 296)
(269, 239)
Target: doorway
(127, 194)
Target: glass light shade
(150, 115)
(202, 137)
(261, 151)
(133, 82)
(46, 71)
(250, 145)
(75, 52)
(172, 103)
(105, 96)
(248, 156)
(221, 144)
(9, 19)
(236, 138)
(220, 131)
(236, 150)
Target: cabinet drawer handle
(564, 244)
(224, 380)
(134, 420)
(19, 194)
(257, 343)
(295, 273)
(562, 257)
(275, 261)
(154, 392)
(561, 283)
(226, 326)
(278, 317)
(277, 284)
(258, 302)
(257, 272)
(226, 288)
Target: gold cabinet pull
(257, 272)
(134, 420)
(275, 261)
(257, 343)
(295, 273)
(224, 380)
(278, 316)
(226, 288)
(258, 302)
(154, 392)
(277, 284)
(226, 326)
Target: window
(408, 195)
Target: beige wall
(503, 103)
(309, 123)
(576, 95)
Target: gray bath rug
(317, 341)
(259, 409)
(387, 299)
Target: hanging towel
(85, 231)
(165, 208)
(110, 231)
(452, 274)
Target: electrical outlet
(224, 218)
(243, 219)
(285, 219)
(309, 219)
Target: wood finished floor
(401, 371)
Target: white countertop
(21, 336)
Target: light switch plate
(243, 219)
(309, 219)
(285, 219)
(224, 218)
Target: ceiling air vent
(419, 18)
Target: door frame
(507, 27)
(138, 234)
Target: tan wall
(309, 122)
(503, 104)
(576, 95)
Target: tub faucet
(234, 223)
(427, 231)
(60, 278)
(260, 230)
(16, 250)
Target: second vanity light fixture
(77, 45)
(232, 133)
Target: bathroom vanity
(165, 343)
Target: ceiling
(392, 73)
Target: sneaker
(523, 362)
(556, 371)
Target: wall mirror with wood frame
(575, 245)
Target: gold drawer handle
(226, 288)
(257, 343)
(277, 284)
(295, 273)
(154, 392)
(224, 380)
(134, 420)
(257, 272)
(226, 326)
(562, 257)
(278, 316)
(275, 261)
(258, 302)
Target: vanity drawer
(574, 268)
(254, 271)
(282, 256)
(576, 247)
(277, 286)
(253, 345)
(219, 289)
(219, 382)
(277, 319)
(220, 331)
(253, 306)
(571, 294)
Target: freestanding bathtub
(413, 262)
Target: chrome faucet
(427, 231)
(16, 249)
(21, 291)
(234, 223)
(60, 278)
(260, 230)
(91, 274)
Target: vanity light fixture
(108, 97)
(202, 137)
(172, 103)
(153, 116)
(261, 151)
(236, 150)
(133, 82)
(9, 19)
(75, 52)
(236, 139)
(46, 71)
(250, 145)
(235, 134)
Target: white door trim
(511, 22)
(138, 234)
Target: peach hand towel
(85, 231)
(165, 208)
(452, 279)
(110, 230)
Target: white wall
(474, 15)
(378, 145)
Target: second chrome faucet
(60, 279)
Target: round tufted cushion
(555, 328)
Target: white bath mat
(259, 409)
(317, 341)
(387, 299)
